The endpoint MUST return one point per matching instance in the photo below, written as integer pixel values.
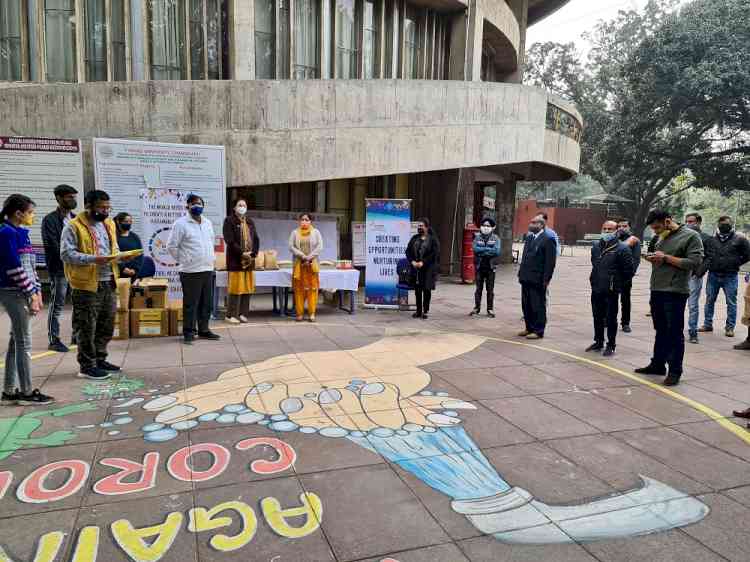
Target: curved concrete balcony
(502, 32)
(292, 131)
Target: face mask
(694, 227)
(534, 229)
(196, 210)
(69, 205)
(99, 217)
(624, 233)
(608, 236)
(27, 220)
(125, 227)
(241, 210)
(725, 228)
(486, 230)
(420, 230)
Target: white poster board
(123, 168)
(274, 235)
(34, 167)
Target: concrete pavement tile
(20, 536)
(135, 450)
(24, 463)
(441, 553)
(596, 411)
(582, 376)
(711, 433)
(480, 384)
(139, 514)
(268, 543)
(316, 453)
(532, 380)
(689, 456)
(670, 546)
(166, 356)
(732, 387)
(724, 530)
(546, 474)
(538, 418)
(741, 495)
(206, 353)
(653, 404)
(378, 506)
(488, 429)
(620, 465)
(720, 403)
(721, 362)
(489, 549)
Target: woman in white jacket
(305, 243)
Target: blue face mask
(196, 210)
(609, 236)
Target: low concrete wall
(290, 131)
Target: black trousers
(627, 288)
(604, 306)
(485, 278)
(197, 301)
(534, 305)
(668, 315)
(94, 322)
(423, 296)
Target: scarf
(724, 237)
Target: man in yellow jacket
(88, 248)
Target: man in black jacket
(612, 271)
(535, 274)
(52, 227)
(728, 252)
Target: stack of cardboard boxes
(145, 311)
(122, 316)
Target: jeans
(485, 278)
(18, 357)
(696, 286)
(627, 289)
(94, 322)
(58, 292)
(197, 300)
(729, 282)
(668, 315)
(604, 307)
(534, 305)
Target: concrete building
(320, 103)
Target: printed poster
(388, 230)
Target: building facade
(319, 103)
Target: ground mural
(376, 396)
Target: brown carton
(149, 323)
(123, 294)
(175, 321)
(122, 325)
(150, 293)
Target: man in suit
(535, 274)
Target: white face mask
(485, 230)
(241, 210)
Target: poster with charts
(123, 168)
(34, 167)
(387, 233)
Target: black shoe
(651, 370)
(693, 338)
(58, 346)
(474, 312)
(707, 329)
(94, 373)
(490, 314)
(106, 366)
(744, 345)
(10, 398)
(34, 398)
(609, 351)
(424, 316)
(188, 339)
(417, 315)
(209, 336)
(596, 346)
(627, 329)
(671, 380)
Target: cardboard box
(150, 293)
(175, 321)
(123, 294)
(149, 323)
(122, 325)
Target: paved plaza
(378, 437)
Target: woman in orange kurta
(305, 244)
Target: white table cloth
(330, 279)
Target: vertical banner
(387, 233)
(159, 209)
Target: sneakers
(744, 345)
(59, 347)
(693, 338)
(34, 398)
(533, 336)
(231, 320)
(106, 366)
(706, 329)
(94, 373)
(671, 380)
(10, 398)
(609, 351)
(729, 332)
(243, 319)
(651, 370)
(490, 313)
(523, 333)
(596, 346)
(474, 312)
(209, 336)
(627, 329)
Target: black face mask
(125, 227)
(420, 230)
(624, 234)
(99, 217)
(725, 228)
(69, 205)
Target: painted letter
(287, 455)
(114, 484)
(132, 542)
(87, 547)
(32, 489)
(6, 477)
(277, 517)
(179, 467)
(206, 520)
(46, 551)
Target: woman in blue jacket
(21, 296)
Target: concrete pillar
(520, 9)
(242, 39)
(474, 43)
(457, 48)
(505, 208)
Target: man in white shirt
(191, 244)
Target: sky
(577, 16)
